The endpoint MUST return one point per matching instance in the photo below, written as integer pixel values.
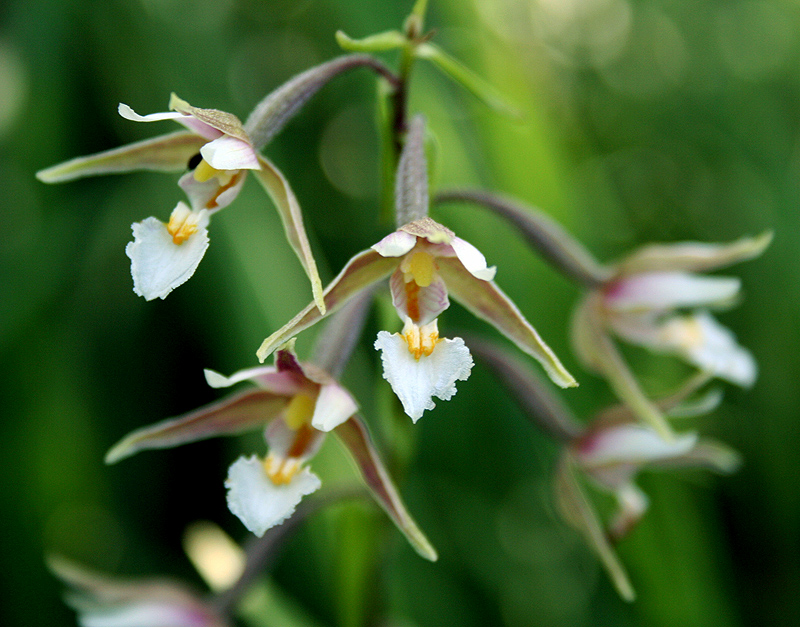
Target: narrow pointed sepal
(235, 414)
(165, 153)
(363, 270)
(577, 510)
(355, 437)
(288, 208)
(257, 501)
(488, 302)
(417, 381)
(693, 256)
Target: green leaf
(467, 78)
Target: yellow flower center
(182, 223)
(419, 267)
(204, 172)
(421, 340)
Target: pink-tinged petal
(158, 264)
(288, 208)
(430, 230)
(420, 304)
(667, 290)
(265, 377)
(105, 601)
(230, 153)
(238, 413)
(257, 501)
(577, 510)
(363, 270)
(417, 381)
(705, 343)
(395, 244)
(334, 406)
(598, 353)
(210, 194)
(632, 505)
(630, 444)
(354, 435)
(488, 302)
(221, 121)
(693, 256)
(165, 153)
(473, 260)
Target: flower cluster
(655, 298)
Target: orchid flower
(104, 601)
(610, 454)
(642, 299)
(426, 263)
(296, 404)
(219, 151)
(644, 302)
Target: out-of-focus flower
(425, 262)
(611, 452)
(645, 302)
(297, 404)
(104, 601)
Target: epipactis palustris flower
(656, 299)
(105, 601)
(611, 453)
(219, 153)
(296, 405)
(426, 262)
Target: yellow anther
(281, 470)
(300, 411)
(421, 340)
(204, 172)
(419, 267)
(182, 223)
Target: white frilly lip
(416, 382)
(158, 265)
(257, 501)
(704, 342)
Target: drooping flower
(610, 454)
(296, 405)
(654, 298)
(105, 601)
(426, 263)
(219, 150)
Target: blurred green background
(664, 120)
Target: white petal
(217, 380)
(632, 444)
(334, 406)
(667, 290)
(416, 382)
(427, 303)
(704, 342)
(230, 153)
(395, 244)
(207, 195)
(158, 265)
(472, 259)
(129, 114)
(259, 503)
